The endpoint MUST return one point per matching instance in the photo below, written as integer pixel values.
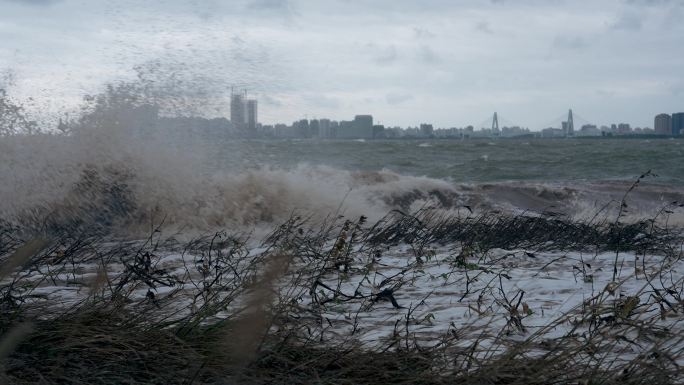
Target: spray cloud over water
(115, 166)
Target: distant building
(314, 128)
(678, 123)
(282, 131)
(514, 131)
(301, 129)
(334, 126)
(378, 131)
(244, 114)
(237, 111)
(426, 130)
(552, 132)
(663, 124)
(346, 130)
(589, 130)
(265, 131)
(251, 118)
(324, 131)
(363, 125)
(624, 128)
(360, 128)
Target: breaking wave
(109, 181)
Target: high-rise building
(324, 129)
(251, 118)
(426, 129)
(360, 128)
(282, 131)
(678, 123)
(314, 128)
(302, 129)
(334, 127)
(363, 125)
(378, 131)
(663, 124)
(237, 110)
(345, 130)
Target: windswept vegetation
(345, 301)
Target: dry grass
(242, 323)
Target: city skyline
(363, 126)
(451, 61)
(557, 123)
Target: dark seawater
(476, 161)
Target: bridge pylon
(495, 123)
(570, 130)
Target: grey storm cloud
(570, 42)
(279, 7)
(427, 54)
(271, 101)
(652, 2)
(32, 2)
(483, 26)
(270, 4)
(677, 88)
(627, 21)
(423, 33)
(398, 98)
(452, 62)
(383, 54)
(323, 101)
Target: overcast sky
(448, 62)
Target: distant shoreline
(525, 137)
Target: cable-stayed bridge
(567, 124)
